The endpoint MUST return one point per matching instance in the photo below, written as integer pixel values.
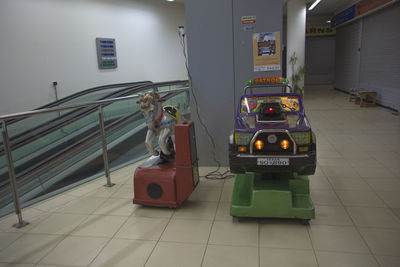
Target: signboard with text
(360, 8)
(106, 53)
(320, 31)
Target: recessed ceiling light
(169, 0)
(314, 4)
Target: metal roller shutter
(347, 56)
(380, 55)
(320, 60)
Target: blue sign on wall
(106, 53)
(342, 17)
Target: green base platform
(272, 195)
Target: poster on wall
(266, 51)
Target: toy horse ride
(168, 177)
(160, 122)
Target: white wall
(54, 40)
(296, 38)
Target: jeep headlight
(243, 138)
(301, 138)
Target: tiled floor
(356, 192)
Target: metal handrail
(98, 104)
(42, 129)
(93, 103)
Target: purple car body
(272, 134)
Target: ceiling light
(169, 0)
(314, 4)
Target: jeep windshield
(252, 104)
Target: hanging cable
(214, 175)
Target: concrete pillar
(296, 34)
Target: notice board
(106, 53)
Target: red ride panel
(162, 175)
(169, 185)
(183, 155)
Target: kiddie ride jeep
(271, 149)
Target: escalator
(65, 148)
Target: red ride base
(162, 185)
(168, 185)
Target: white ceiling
(329, 7)
(325, 7)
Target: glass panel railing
(93, 96)
(19, 126)
(71, 152)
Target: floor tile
(335, 259)
(396, 212)
(29, 248)
(168, 254)
(333, 162)
(142, 228)
(328, 153)
(7, 238)
(362, 166)
(345, 172)
(187, 231)
(284, 235)
(331, 215)
(337, 238)
(83, 189)
(388, 261)
(210, 183)
(75, 251)
(58, 223)
(196, 210)
(352, 183)
(124, 252)
(380, 184)
(287, 258)
(234, 233)
(226, 195)
(325, 197)
(355, 155)
(205, 194)
(124, 191)
(153, 212)
(223, 212)
(54, 203)
(204, 170)
(382, 241)
(7, 222)
(216, 255)
(374, 217)
(392, 199)
(319, 183)
(99, 226)
(230, 182)
(373, 172)
(84, 205)
(104, 191)
(360, 198)
(20, 265)
(116, 206)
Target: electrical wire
(214, 175)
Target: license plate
(273, 161)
